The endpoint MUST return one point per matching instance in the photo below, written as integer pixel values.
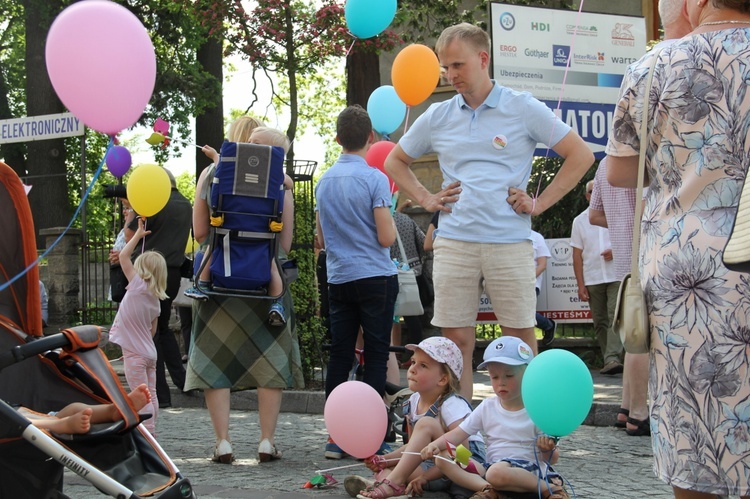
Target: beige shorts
(507, 271)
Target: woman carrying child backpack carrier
(241, 323)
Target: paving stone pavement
(600, 461)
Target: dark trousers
(542, 322)
(167, 349)
(186, 326)
(368, 303)
(321, 272)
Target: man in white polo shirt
(484, 138)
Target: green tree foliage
(310, 327)
(557, 222)
(182, 89)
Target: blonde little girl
(135, 322)
(434, 408)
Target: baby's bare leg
(206, 272)
(79, 422)
(107, 413)
(139, 397)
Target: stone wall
(61, 276)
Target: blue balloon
(368, 18)
(557, 390)
(386, 109)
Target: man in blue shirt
(356, 229)
(484, 138)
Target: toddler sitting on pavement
(434, 408)
(519, 456)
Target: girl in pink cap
(434, 408)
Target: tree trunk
(362, 76)
(209, 124)
(291, 131)
(13, 153)
(46, 158)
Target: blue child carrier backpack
(247, 199)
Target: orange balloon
(415, 74)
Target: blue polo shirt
(489, 150)
(345, 196)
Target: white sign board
(531, 47)
(48, 126)
(558, 297)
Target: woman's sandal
(378, 490)
(642, 428)
(619, 423)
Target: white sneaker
(223, 453)
(267, 451)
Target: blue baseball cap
(507, 350)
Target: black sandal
(622, 424)
(643, 428)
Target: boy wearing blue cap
(518, 454)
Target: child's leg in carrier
(276, 312)
(204, 278)
(105, 413)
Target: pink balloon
(118, 161)
(102, 64)
(356, 418)
(375, 157)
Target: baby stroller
(44, 374)
(246, 203)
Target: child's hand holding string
(141, 231)
(375, 463)
(430, 451)
(547, 449)
(545, 443)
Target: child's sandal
(378, 491)
(486, 493)
(556, 493)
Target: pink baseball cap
(443, 350)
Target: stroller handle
(72, 339)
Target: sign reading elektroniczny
(48, 126)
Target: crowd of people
(690, 393)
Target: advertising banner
(558, 297)
(531, 47)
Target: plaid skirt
(233, 346)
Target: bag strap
(401, 249)
(638, 215)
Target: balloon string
(559, 97)
(143, 241)
(350, 47)
(406, 120)
(355, 465)
(7, 284)
(434, 457)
